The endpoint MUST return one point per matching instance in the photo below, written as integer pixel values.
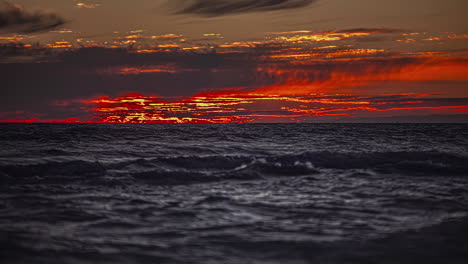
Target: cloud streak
(225, 7)
(15, 19)
(285, 77)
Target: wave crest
(198, 169)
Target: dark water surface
(258, 193)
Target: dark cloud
(453, 118)
(371, 30)
(15, 19)
(224, 7)
(88, 72)
(58, 79)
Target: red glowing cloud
(243, 107)
(301, 97)
(297, 76)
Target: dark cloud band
(224, 7)
(16, 19)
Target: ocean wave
(193, 169)
(306, 163)
(70, 168)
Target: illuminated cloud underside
(250, 107)
(316, 76)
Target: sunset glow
(233, 131)
(284, 76)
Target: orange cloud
(295, 79)
(87, 6)
(242, 106)
(308, 78)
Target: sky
(221, 61)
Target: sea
(233, 193)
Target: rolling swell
(305, 193)
(199, 169)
